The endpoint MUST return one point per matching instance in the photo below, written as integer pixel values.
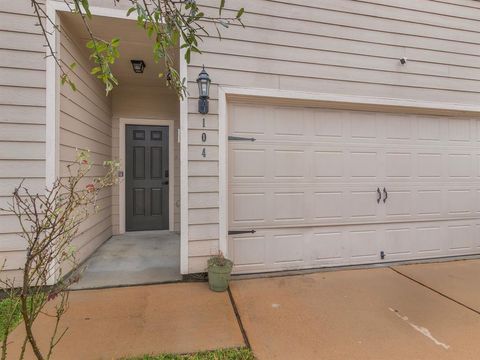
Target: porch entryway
(134, 258)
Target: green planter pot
(219, 275)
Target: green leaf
(240, 13)
(187, 56)
(131, 10)
(86, 6)
(73, 66)
(222, 5)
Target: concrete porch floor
(134, 258)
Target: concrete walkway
(427, 311)
(115, 323)
(364, 314)
(135, 258)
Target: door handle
(165, 182)
(385, 195)
(379, 197)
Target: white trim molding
(171, 167)
(183, 168)
(52, 107)
(299, 98)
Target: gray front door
(146, 177)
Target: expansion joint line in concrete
(239, 320)
(435, 291)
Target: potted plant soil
(219, 269)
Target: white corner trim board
(349, 102)
(183, 169)
(171, 166)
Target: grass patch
(9, 307)
(222, 354)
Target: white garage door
(333, 187)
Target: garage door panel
(461, 237)
(429, 202)
(308, 186)
(398, 242)
(399, 127)
(364, 245)
(459, 130)
(327, 246)
(398, 165)
(460, 201)
(429, 240)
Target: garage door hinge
(238, 232)
(239, 138)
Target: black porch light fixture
(203, 82)
(138, 66)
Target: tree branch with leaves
(169, 23)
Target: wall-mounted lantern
(138, 66)
(203, 82)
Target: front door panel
(146, 177)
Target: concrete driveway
(428, 311)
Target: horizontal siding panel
(19, 150)
(427, 13)
(197, 264)
(12, 242)
(203, 216)
(22, 41)
(203, 232)
(195, 137)
(22, 114)
(19, 22)
(9, 224)
(10, 95)
(203, 168)
(203, 200)
(203, 248)
(22, 60)
(356, 61)
(34, 185)
(22, 168)
(268, 27)
(71, 107)
(319, 71)
(15, 6)
(71, 124)
(69, 152)
(203, 184)
(22, 132)
(195, 121)
(13, 260)
(203, 152)
(360, 21)
(83, 142)
(255, 38)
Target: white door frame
(171, 167)
(286, 97)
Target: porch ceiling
(134, 44)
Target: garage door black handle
(379, 195)
(385, 195)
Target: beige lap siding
(338, 47)
(22, 121)
(85, 123)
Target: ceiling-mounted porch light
(138, 66)
(203, 82)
